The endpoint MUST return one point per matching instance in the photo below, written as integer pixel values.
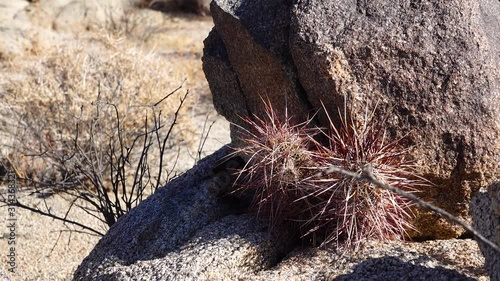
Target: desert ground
(53, 63)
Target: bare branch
(65, 220)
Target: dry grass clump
(285, 162)
(75, 92)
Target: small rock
(486, 215)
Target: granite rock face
(431, 66)
(486, 216)
(193, 230)
(186, 231)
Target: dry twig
(367, 175)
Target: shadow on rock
(393, 268)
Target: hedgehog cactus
(285, 159)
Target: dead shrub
(102, 125)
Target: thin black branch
(203, 138)
(167, 137)
(37, 211)
(171, 93)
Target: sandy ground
(47, 249)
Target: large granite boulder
(192, 229)
(432, 65)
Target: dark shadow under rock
(392, 268)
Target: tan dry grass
(61, 89)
